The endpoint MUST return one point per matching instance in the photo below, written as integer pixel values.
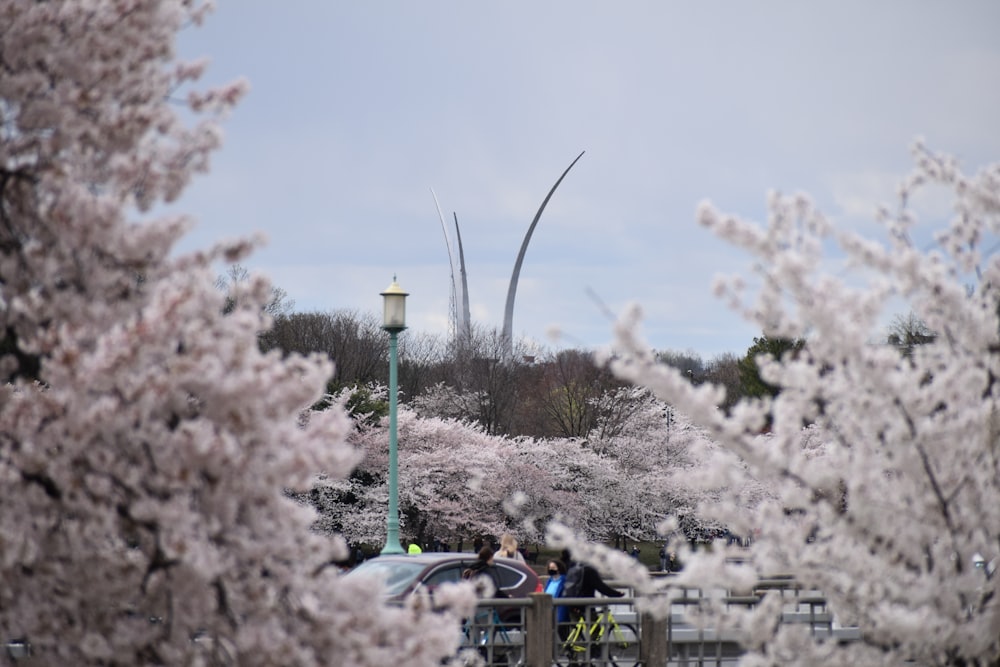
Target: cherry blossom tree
(891, 497)
(146, 441)
(455, 482)
(649, 471)
(538, 485)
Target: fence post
(653, 642)
(538, 627)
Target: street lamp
(393, 321)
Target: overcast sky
(357, 110)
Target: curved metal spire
(453, 306)
(508, 313)
(465, 323)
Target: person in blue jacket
(554, 587)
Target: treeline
(535, 393)
(559, 394)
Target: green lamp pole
(393, 321)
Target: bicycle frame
(595, 633)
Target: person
(554, 587)
(508, 548)
(590, 583)
(664, 558)
(557, 577)
(414, 548)
(484, 567)
(477, 544)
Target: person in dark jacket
(481, 570)
(484, 566)
(592, 581)
(591, 584)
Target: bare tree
(237, 276)
(354, 342)
(908, 331)
(423, 361)
(483, 384)
(568, 391)
(689, 363)
(724, 371)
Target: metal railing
(524, 631)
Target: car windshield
(397, 575)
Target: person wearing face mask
(554, 587)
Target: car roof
(433, 557)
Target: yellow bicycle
(604, 641)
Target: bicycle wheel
(624, 649)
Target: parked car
(404, 573)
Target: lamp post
(393, 321)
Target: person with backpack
(583, 581)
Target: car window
(397, 575)
(509, 577)
(447, 574)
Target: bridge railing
(524, 631)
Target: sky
(357, 111)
